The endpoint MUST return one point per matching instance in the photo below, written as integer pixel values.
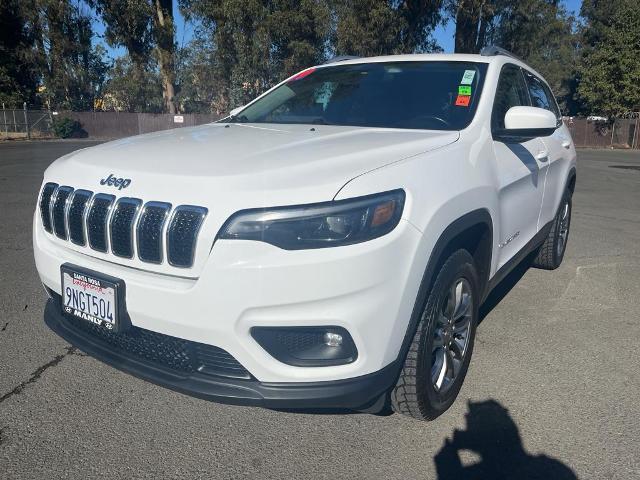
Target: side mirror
(235, 111)
(523, 122)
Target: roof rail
(493, 50)
(340, 58)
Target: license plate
(90, 297)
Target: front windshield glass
(433, 95)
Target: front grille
(58, 211)
(124, 215)
(105, 224)
(45, 205)
(97, 221)
(171, 352)
(75, 220)
(183, 233)
(150, 227)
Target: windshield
(418, 95)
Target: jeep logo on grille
(112, 181)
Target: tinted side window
(554, 104)
(511, 92)
(541, 96)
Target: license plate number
(90, 298)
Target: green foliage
(258, 42)
(128, 24)
(243, 47)
(65, 127)
(299, 34)
(145, 28)
(382, 27)
(474, 21)
(74, 71)
(543, 34)
(610, 71)
(130, 90)
(18, 70)
(197, 86)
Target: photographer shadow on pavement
(493, 436)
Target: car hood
(258, 165)
(231, 167)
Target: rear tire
(440, 351)
(551, 252)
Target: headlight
(319, 225)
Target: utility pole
(6, 125)
(26, 120)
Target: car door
(558, 147)
(518, 169)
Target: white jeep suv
(326, 246)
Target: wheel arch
(474, 232)
(571, 180)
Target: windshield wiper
(320, 121)
(237, 119)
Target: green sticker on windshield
(464, 90)
(467, 78)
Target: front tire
(440, 351)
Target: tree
(473, 19)
(543, 34)
(258, 42)
(299, 34)
(382, 27)
(164, 33)
(539, 31)
(18, 68)
(236, 28)
(197, 87)
(610, 69)
(72, 70)
(143, 27)
(129, 92)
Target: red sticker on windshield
(463, 101)
(302, 74)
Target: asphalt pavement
(553, 390)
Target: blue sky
(185, 31)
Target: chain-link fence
(32, 124)
(590, 132)
(25, 123)
(106, 125)
(601, 133)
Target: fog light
(315, 346)
(332, 339)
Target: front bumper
(369, 289)
(354, 393)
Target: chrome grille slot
(45, 205)
(182, 234)
(121, 227)
(75, 216)
(97, 221)
(59, 211)
(149, 231)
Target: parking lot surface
(552, 392)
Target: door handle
(543, 156)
